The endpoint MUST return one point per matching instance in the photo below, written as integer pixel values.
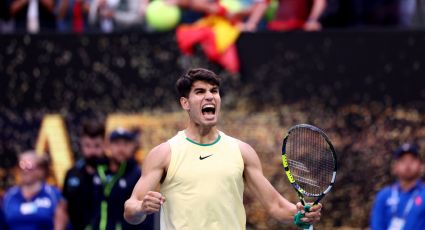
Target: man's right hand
(152, 202)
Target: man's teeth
(208, 106)
(208, 109)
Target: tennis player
(202, 171)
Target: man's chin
(209, 123)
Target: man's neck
(90, 169)
(202, 135)
(114, 166)
(407, 185)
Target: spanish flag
(217, 37)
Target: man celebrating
(202, 170)
(401, 206)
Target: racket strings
(310, 160)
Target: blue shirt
(2, 220)
(387, 206)
(34, 214)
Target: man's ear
(184, 102)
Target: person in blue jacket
(2, 220)
(401, 205)
(32, 204)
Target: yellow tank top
(204, 185)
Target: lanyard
(108, 185)
(395, 197)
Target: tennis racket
(310, 163)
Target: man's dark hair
(185, 82)
(93, 129)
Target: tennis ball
(233, 6)
(271, 10)
(161, 16)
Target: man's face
(203, 103)
(407, 167)
(122, 150)
(92, 146)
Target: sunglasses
(27, 165)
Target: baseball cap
(406, 148)
(121, 133)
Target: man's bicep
(153, 169)
(253, 175)
(275, 204)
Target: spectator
(2, 220)
(418, 16)
(81, 181)
(401, 205)
(298, 14)
(195, 10)
(73, 15)
(32, 204)
(412, 13)
(118, 182)
(6, 25)
(129, 14)
(251, 15)
(33, 15)
(112, 15)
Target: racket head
(309, 160)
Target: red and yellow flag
(217, 37)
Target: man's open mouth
(208, 109)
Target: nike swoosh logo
(201, 158)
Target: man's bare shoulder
(245, 148)
(248, 153)
(163, 148)
(159, 155)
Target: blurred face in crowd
(92, 147)
(203, 103)
(122, 149)
(407, 167)
(30, 168)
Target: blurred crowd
(94, 189)
(79, 16)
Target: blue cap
(121, 133)
(406, 148)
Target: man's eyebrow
(199, 89)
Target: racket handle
(299, 215)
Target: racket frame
(300, 191)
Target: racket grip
(299, 215)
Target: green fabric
(196, 143)
(299, 215)
(104, 215)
